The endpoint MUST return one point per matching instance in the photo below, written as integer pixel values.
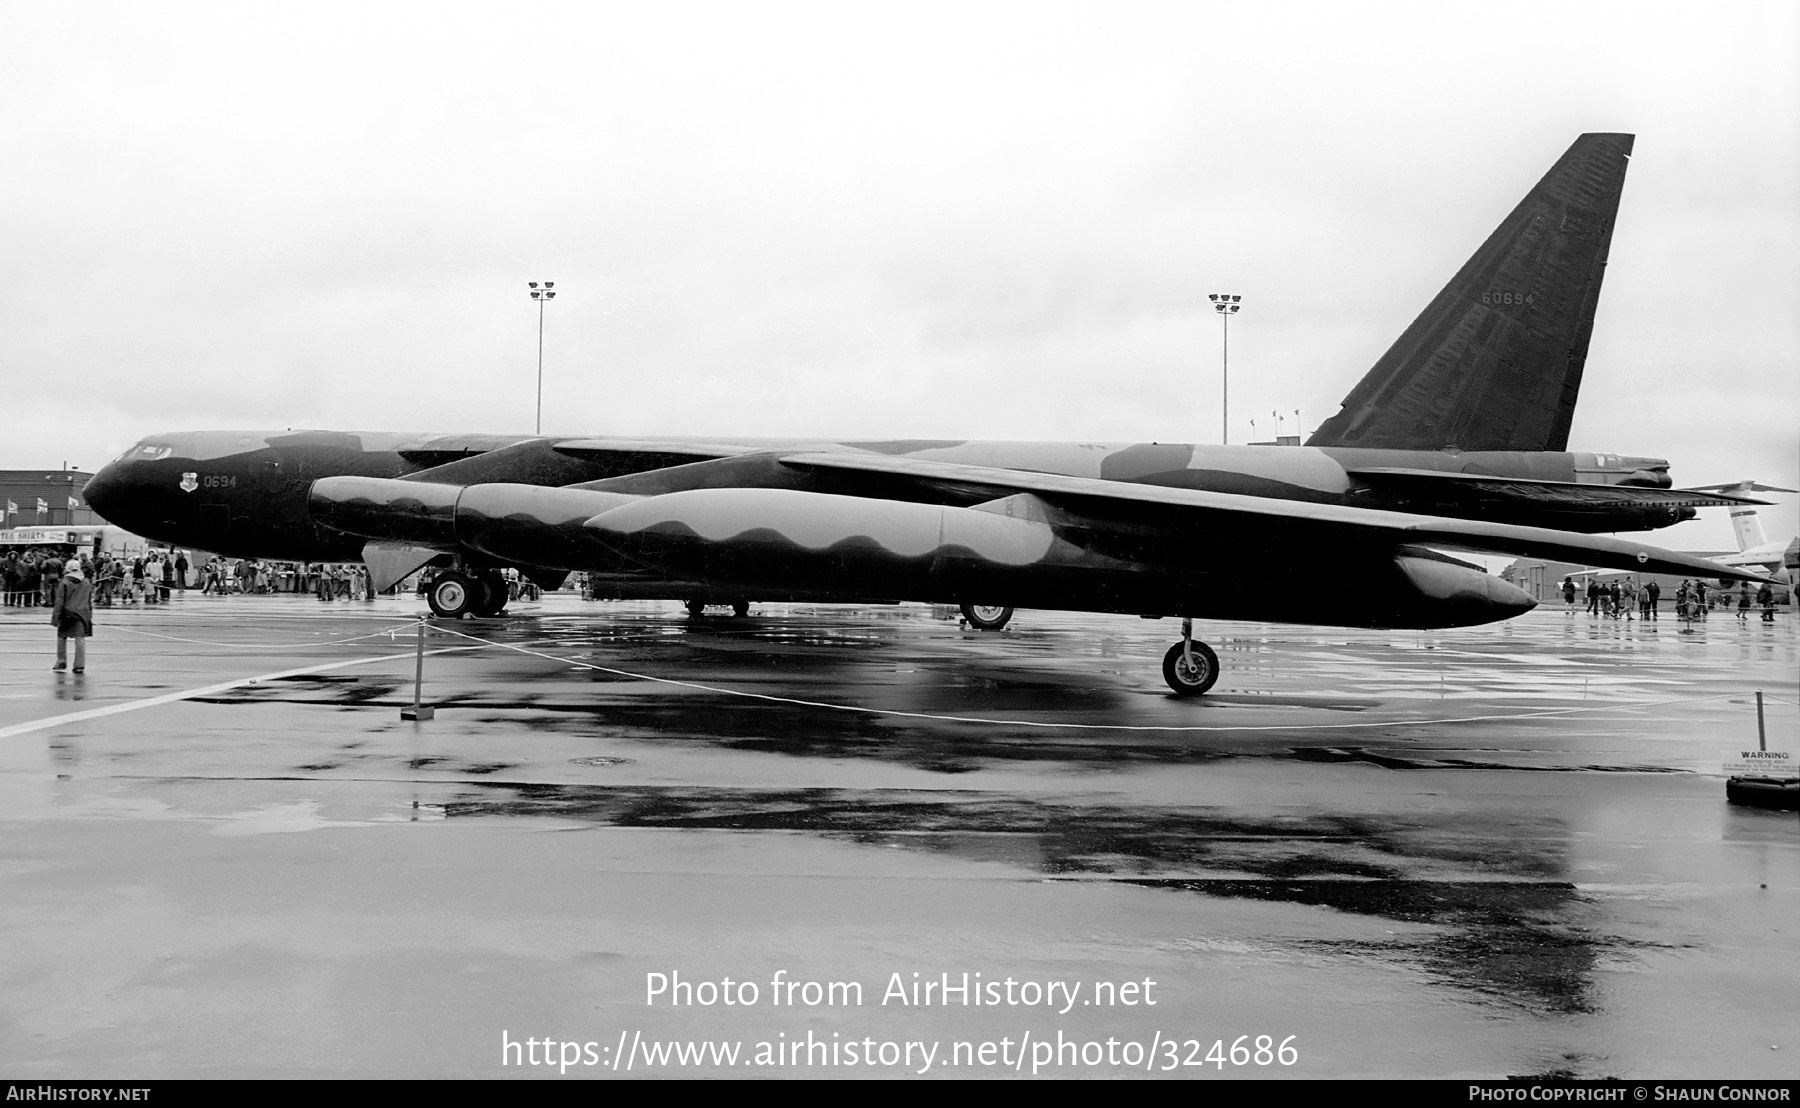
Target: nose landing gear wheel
(987, 617)
(1190, 678)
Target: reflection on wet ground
(1508, 925)
(1507, 818)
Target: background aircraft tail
(1744, 520)
(1494, 362)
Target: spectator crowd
(1693, 599)
(29, 578)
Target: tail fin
(1494, 362)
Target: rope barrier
(390, 632)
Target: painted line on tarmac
(209, 690)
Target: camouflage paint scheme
(250, 494)
(970, 532)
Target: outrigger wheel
(986, 617)
(696, 609)
(454, 594)
(1190, 667)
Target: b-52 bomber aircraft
(1454, 440)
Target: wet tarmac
(1489, 852)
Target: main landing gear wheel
(493, 598)
(695, 609)
(1190, 677)
(986, 617)
(454, 595)
(740, 608)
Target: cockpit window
(146, 452)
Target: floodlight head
(549, 284)
(533, 284)
(549, 296)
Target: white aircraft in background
(1754, 547)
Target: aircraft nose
(105, 493)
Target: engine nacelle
(525, 525)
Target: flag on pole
(42, 507)
(74, 504)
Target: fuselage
(244, 493)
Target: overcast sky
(907, 220)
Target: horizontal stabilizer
(1549, 492)
(1739, 488)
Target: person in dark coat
(49, 578)
(1765, 598)
(1652, 593)
(72, 614)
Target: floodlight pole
(542, 296)
(1227, 305)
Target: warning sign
(1762, 763)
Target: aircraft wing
(670, 448)
(437, 450)
(1198, 514)
(1475, 487)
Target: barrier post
(1762, 739)
(419, 710)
